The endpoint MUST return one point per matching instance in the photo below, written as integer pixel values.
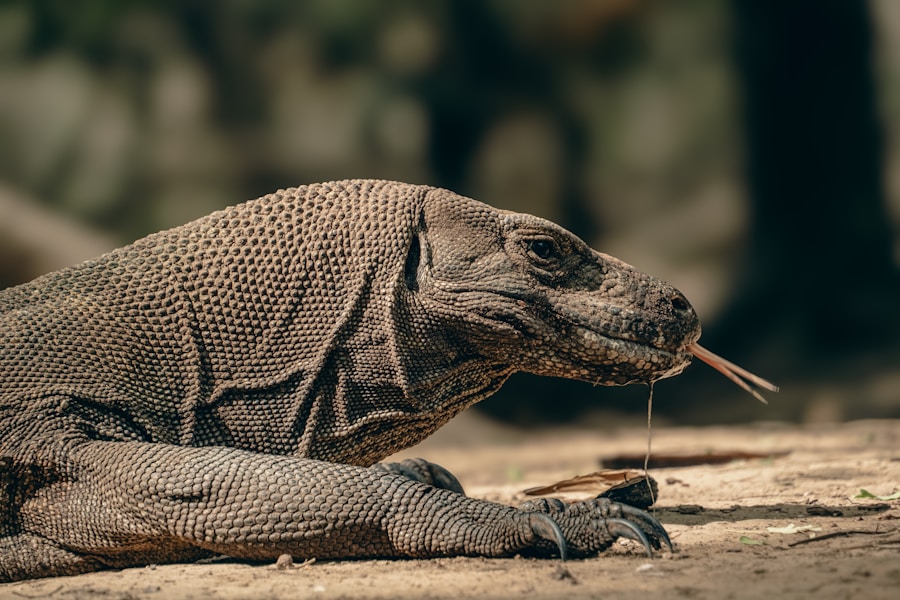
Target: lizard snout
(671, 314)
(686, 318)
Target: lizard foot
(423, 471)
(585, 528)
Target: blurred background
(748, 152)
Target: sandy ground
(719, 517)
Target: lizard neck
(380, 393)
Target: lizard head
(527, 293)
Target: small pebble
(284, 562)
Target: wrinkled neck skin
(449, 372)
(399, 389)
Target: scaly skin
(226, 386)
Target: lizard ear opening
(411, 268)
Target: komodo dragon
(227, 386)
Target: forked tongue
(733, 372)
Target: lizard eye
(542, 248)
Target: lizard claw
(621, 528)
(648, 524)
(546, 528)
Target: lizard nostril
(679, 302)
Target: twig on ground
(835, 534)
(43, 595)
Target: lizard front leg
(131, 503)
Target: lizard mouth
(627, 360)
(639, 351)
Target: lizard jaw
(630, 361)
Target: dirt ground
(719, 517)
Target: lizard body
(227, 386)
